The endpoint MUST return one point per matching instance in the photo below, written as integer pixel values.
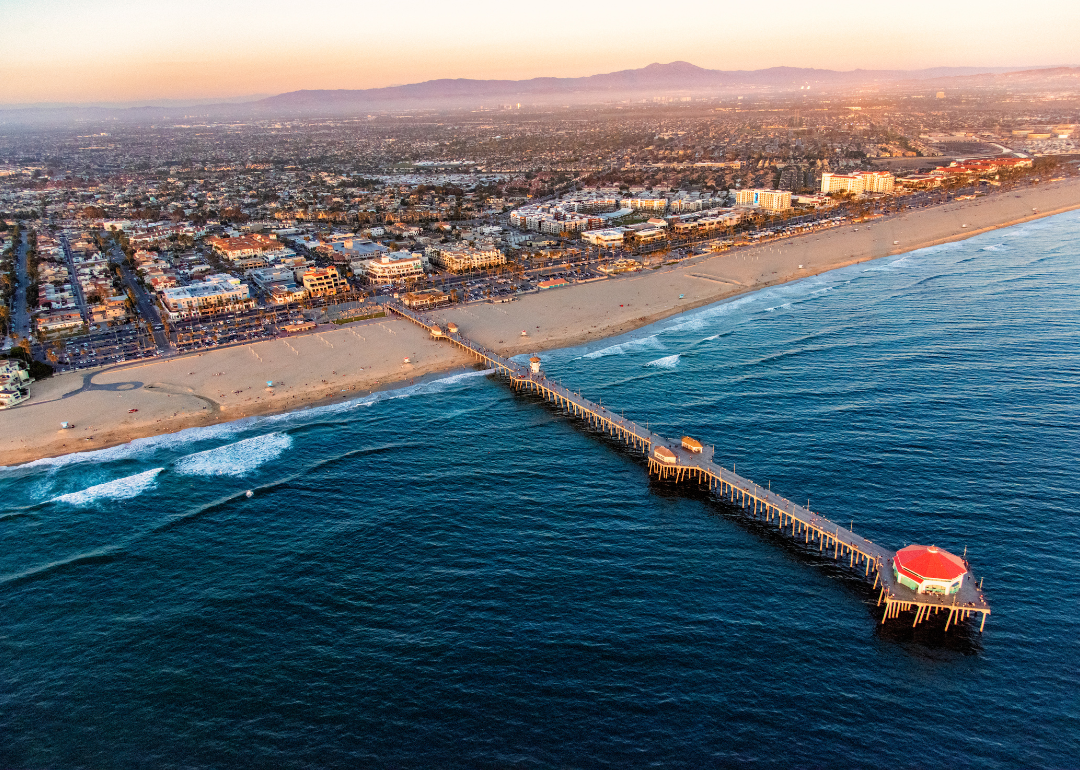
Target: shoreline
(116, 405)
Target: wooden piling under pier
(797, 522)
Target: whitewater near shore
(116, 405)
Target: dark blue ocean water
(453, 575)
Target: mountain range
(672, 79)
(655, 79)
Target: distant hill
(1052, 77)
(651, 80)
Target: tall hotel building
(859, 182)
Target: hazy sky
(123, 50)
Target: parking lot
(102, 347)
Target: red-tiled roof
(926, 561)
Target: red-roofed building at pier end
(927, 569)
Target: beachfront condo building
(770, 200)
(858, 183)
(14, 383)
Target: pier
(688, 461)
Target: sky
(146, 51)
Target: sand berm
(344, 362)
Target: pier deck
(797, 522)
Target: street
(146, 307)
(20, 312)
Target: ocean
(455, 575)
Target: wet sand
(344, 362)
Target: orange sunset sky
(142, 50)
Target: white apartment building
(553, 219)
(218, 291)
(658, 205)
(771, 200)
(858, 183)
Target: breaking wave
(117, 489)
(668, 362)
(645, 343)
(235, 459)
(139, 446)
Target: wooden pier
(680, 464)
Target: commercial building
(610, 236)
(771, 200)
(278, 283)
(323, 281)
(665, 455)
(553, 283)
(692, 445)
(395, 266)
(58, 321)
(425, 300)
(459, 258)
(353, 249)
(217, 292)
(620, 266)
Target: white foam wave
(644, 343)
(697, 319)
(138, 446)
(117, 489)
(180, 439)
(994, 247)
(668, 362)
(235, 459)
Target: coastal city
(565, 386)
(150, 241)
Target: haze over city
(117, 51)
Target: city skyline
(115, 51)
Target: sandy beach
(344, 362)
